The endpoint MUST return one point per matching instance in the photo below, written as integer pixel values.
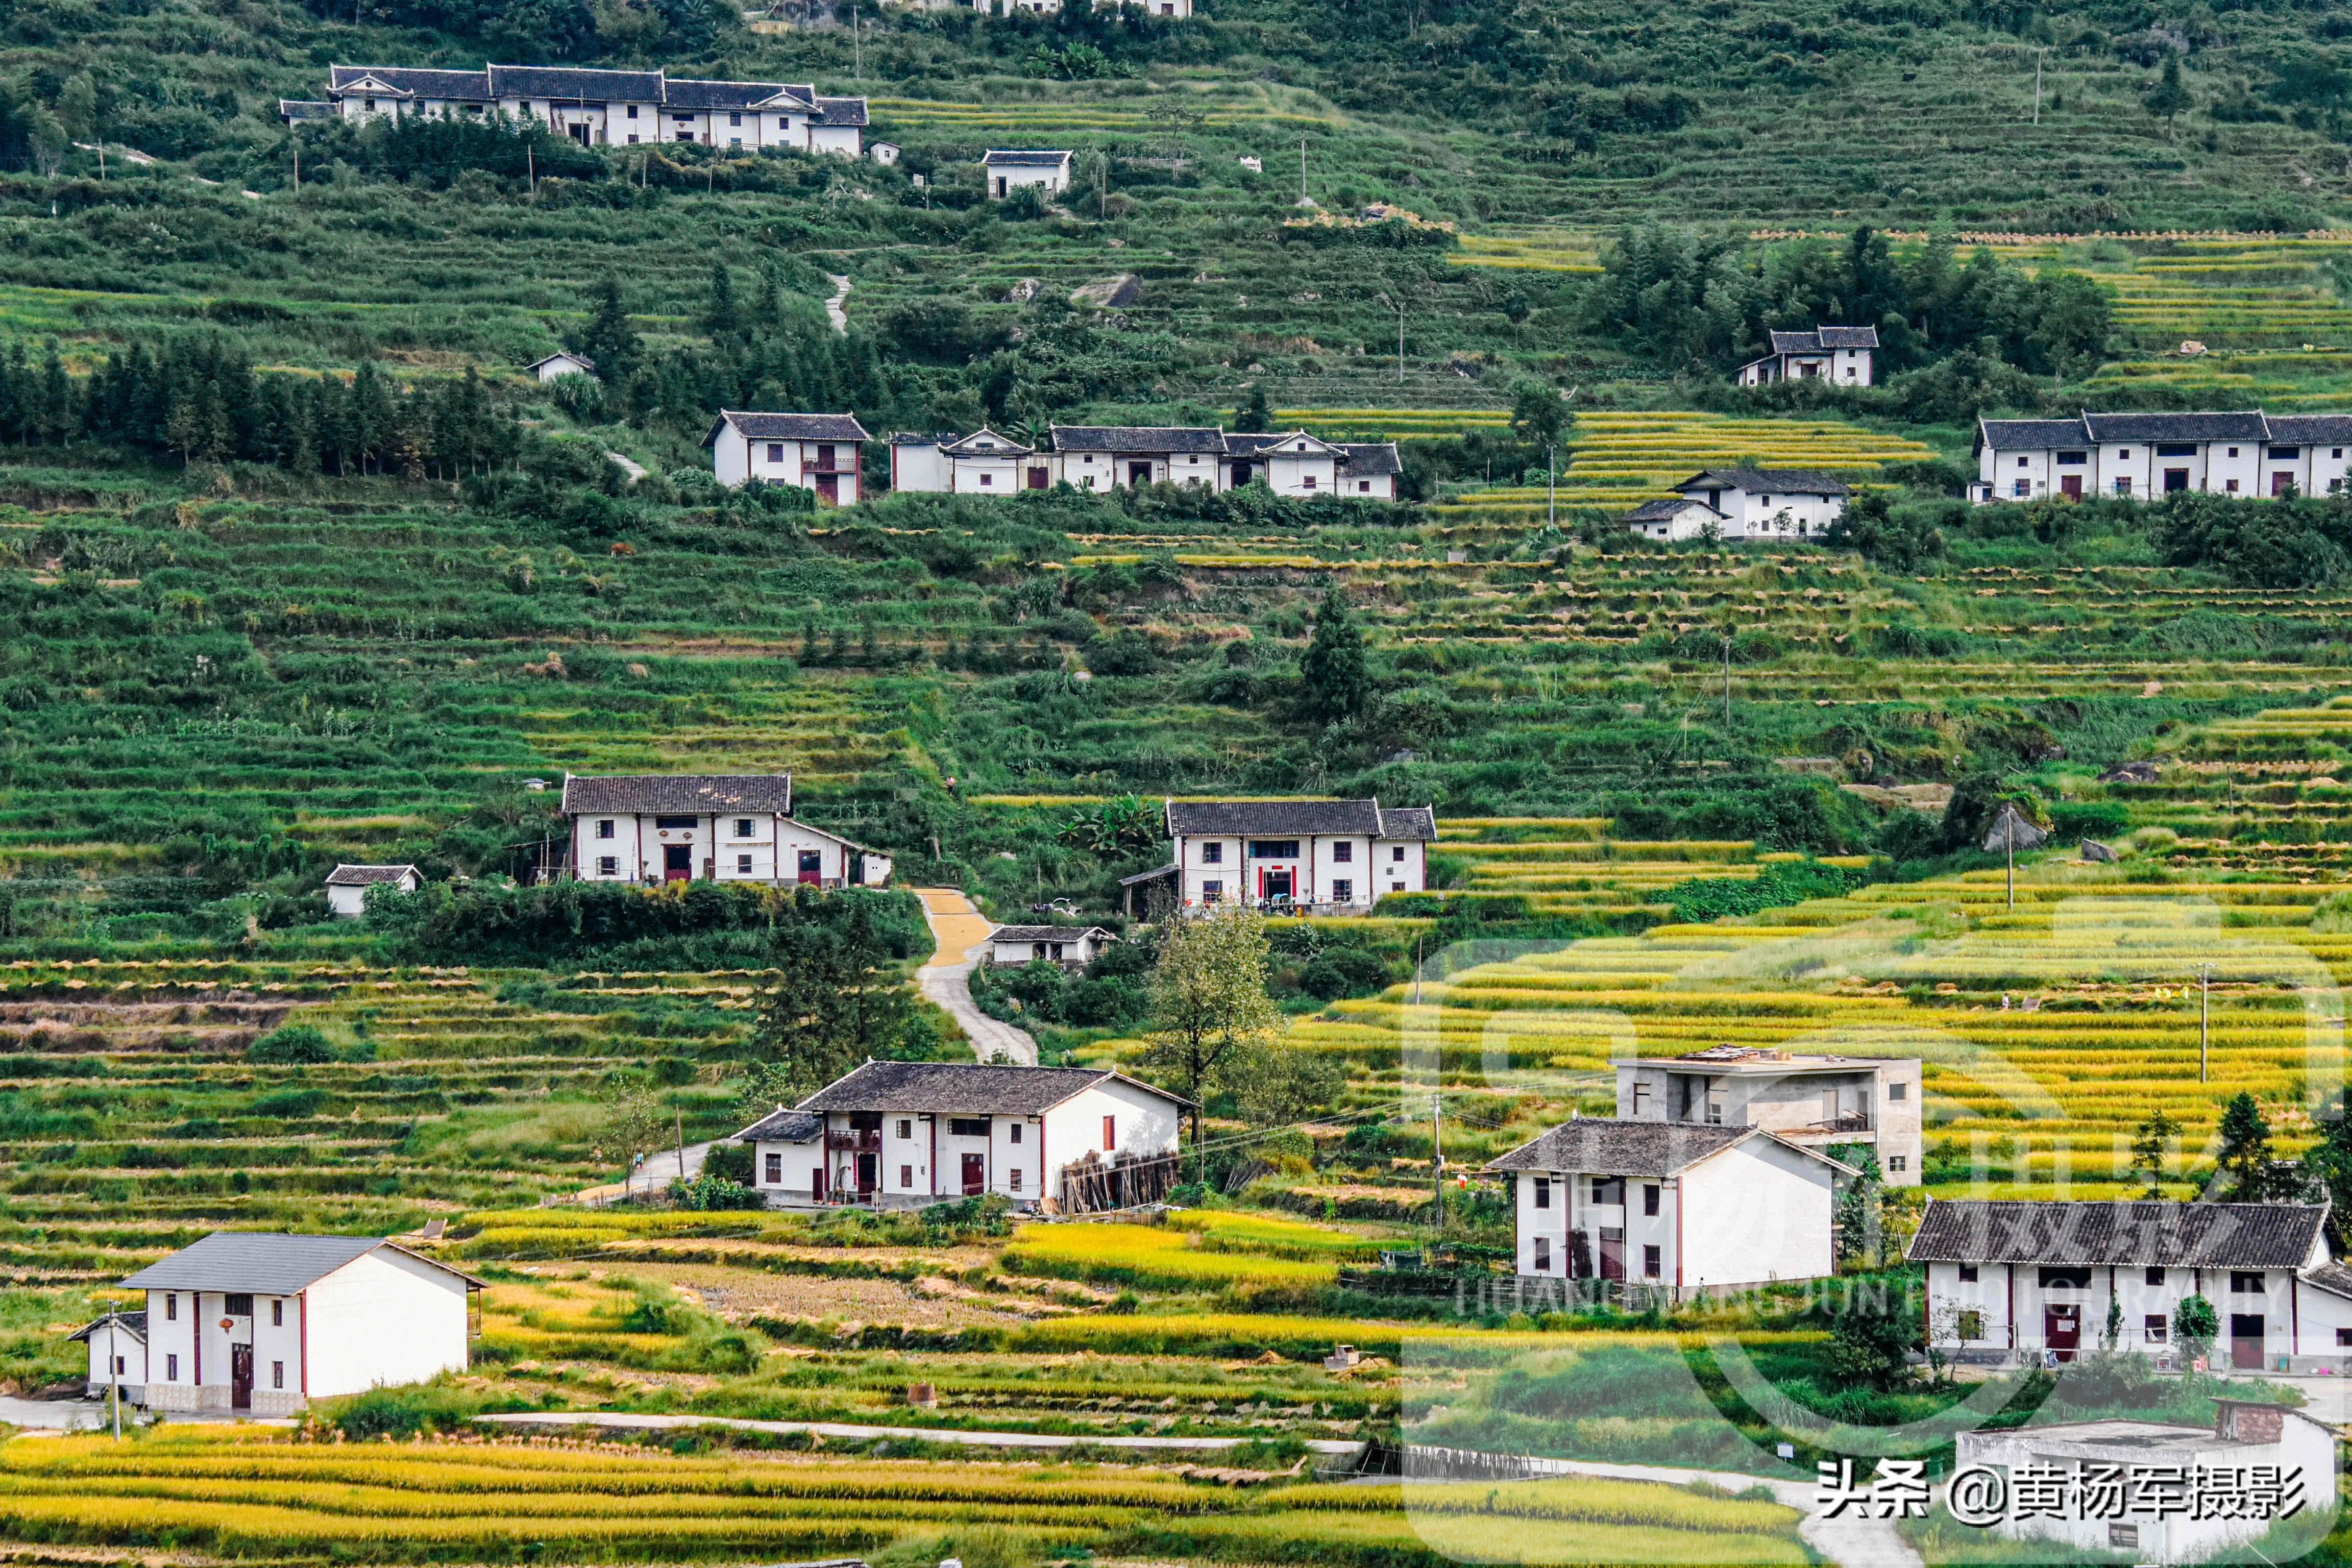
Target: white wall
(1147, 1125)
(1005, 179)
(730, 461)
(843, 140)
(797, 1165)
(2292, 1313)
(1758, 1210)
(918, 465)
(1406, 873)
(105, 1345)
(385, 1318)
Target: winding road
(961, 932)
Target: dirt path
(833, 307)
(961, 932)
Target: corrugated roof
(963, 1087)
(2230, 425)
(265, 1263)
(570, 83)
(1045, 933)
(1138, 438)
(2124, 1232)
(791, 426)
(698, 794)
(1765, 481)
(1605, 1146)
(367, 876)
(1271, 818)
(783, 1126)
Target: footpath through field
(961, 932)
(631, 1421)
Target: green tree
(1210, 1012)
(2169, 99)
(2329, 1162)
(610, 340)
(2151, 1141)
(2245, 1155)
(1872, 1340)
(1337, 685)
(721, 316)
(2195, 1326)
(1860, 1224)
(1255, 415)
(1539, 414)
(837, 1002)
(634, 1123)
(1276, 1085)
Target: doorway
(1241, 475)
(579, 133)
(677, 862)
(975, 1175)
(828, 488)
(1613, 1254)
(241, 1377)
(1138, 474)
(1036, 479)
(2062, 1330)
(2246, 1340)
(811, 866)
(2281, 482)
(1277, 885)
(869, 1173)
(2175, 480)
(2070, 486)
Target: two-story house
(1106, 457)
(705, 828)
(1673, 1206)
(1841, 356)
(2146, 456)
(908, 1133)
(1768, 503)
(2016, 1279)
(602, 108)
(1812, 1100)
(1111, 456)
(820, 452)
(1337, 855)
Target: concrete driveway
(960, 934)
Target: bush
(713, 1192)
(1343, 972)
(404, 1412)
(294, 1043)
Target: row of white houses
(2146, 456)
(597, 108)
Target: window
(608, 865)
(775, 1170)
(1012, 1133)
(738, 120)
(171, 1366)
(2021, 462)
(1543, 1253)
(906, 1128)
(1653, 1261)
(1649, 1198)
(675, 824)
(1714, 1112)
(1608, 1189)
(782, 124)
(2066, 1278)
(1212, 891)
(968, 1126)
(1364, 487)
(1110, 1133)
(1212, 854)
(1898, 1161)
(2245, 1282)
(2123, 486)
(237, 1303)
(2177, 450)
(2069, 459)
(1343, 853)
(2020, 488)
(2343, 1339)
(2154, 1329)
(744, 865)
(1898, 1091)
(742, 828)
(1013, 1175)
(2230, 485)
(277, 1314)
(2123, 1535)
(907, 1175)
(1306, 481)
(369, 104)
(120, 1364)
(1342, 891)
(987, 481)
(170, 1309)
(277, 1374)
(1968, 1273)
(2154, 1276)
(2233, 451)
(1274, 848)
(776, 451)
(1970, 1325)
(633, 112)
(605, 828)
(2123, 451)
(2283, 452)
(1397, 855)
(1543, 1192)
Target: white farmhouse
(1815, 1101)
(2146, 456)
(981, 464)
(347, 886)
(705, 828)
(244, 1320)
(908, 1133)
(604, 108)
(1106, 456)
(1768, 503)
(118, 1356)
(1010, 170)
(1337, 855)
(1072, 947)
(1110, 457)
(820, 452)
(1674, 1207)
(2012, 1279)
(1675, 522)
(561, 362)
(1841, 355)
(1290, 463)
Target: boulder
(2129, 772)
(1110, 293)
(2103, 854)
(2011, 831)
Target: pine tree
(58, 415)
(2169, 99)
(2245, 1155)
(721, 317)
(1338, 685)
(610, 340)
(1255, 415)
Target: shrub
(404, 1412)
(713, 1192)
(1343, 972)
(295, 1043)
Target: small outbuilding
(266, 1322)
(1072, 947)
(1010, 169)
(563, 362)
(118, 1355)
(347, 886)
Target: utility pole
(857, 57)
(1551, 497)
(1400, 332)
(101, 160)
(2037, 85)
(1727, 684)
(2204, 1017)
(1416, 970)
(2008, 849)
(1302, 171)
(114, 1369)
(298, 168)
(1438, 1163)
(680, 1121)
(529, 168)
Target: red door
(1612, 1255)
(1036, 479)
(811, 866)
(828, 488)
(2246, 1340)
(2281, 483)
(975, 1175)
(677, 862)
(2070, 486)
(2062, 1330)
(817, 1185)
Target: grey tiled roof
(132, 1323)
(2031, 435)
(783, 1126)
(1370, 460)
(1766, 481)
(2311, 429)
(1249, 443)
(1023, 158)
(265, 1263)
(2234, 425)
(295, 109)
(1045, 933)
(697, 94)
(961, 1086)
(466, 87)
(1824, 338)
(1664, 510)
(367, 876)
(2138, 1234)
(1272, 818)
(2332, 1277)
(1138, 438)
(1416, 824)
(791, 426)
(965, 447)
(841, 112)
(697, 794)
(1605, 1146)
(568, 83)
